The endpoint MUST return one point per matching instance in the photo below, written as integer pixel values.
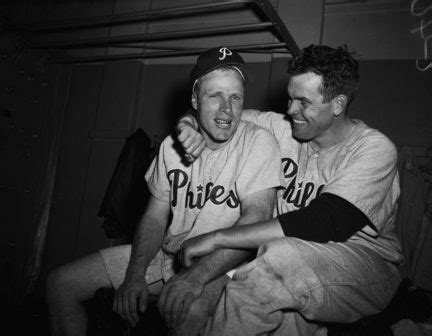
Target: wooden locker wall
(29, 122)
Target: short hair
(337, 67)
(197, 85)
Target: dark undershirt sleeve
(326, 218)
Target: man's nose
(292, 108)
(225, 105)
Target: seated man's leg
(202, 308)
(334, 282)
(68, 287)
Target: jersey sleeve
(262, 168)
(276, 123)
(156, 175)
(368, 180)
(327, 218)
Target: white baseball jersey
(207, 194)
(362, 170)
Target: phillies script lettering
(420, 8)
(197, 198)
(299, 194)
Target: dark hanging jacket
(127, 192)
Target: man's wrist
(190, 120)
(203, 271)
(136, 272)
(197, 275)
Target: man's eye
(236, 98)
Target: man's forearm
(234, 246)
(212, 266)
(249, 236)
(147, 240)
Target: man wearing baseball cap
(233, 182)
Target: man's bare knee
(54, 281)
(60, 285)
(77, 280)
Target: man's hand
(130, 295)
(177, 296)
(197, 247)
(191, 140)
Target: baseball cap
(215, 58)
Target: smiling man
(331, 254)
(232, 183)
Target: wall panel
(116, 108)
(75, 149)
(395, 98)
(27, 125)
(374, 31)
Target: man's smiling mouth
(223, 123)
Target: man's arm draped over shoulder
(193, 142)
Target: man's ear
(194, 101)
(339, 104)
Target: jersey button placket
(208, 168)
